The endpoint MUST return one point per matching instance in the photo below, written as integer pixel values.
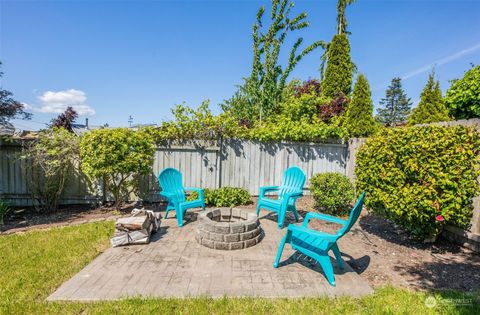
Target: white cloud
(57, 102)
(442, 61)
(27, 106)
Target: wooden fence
(233, 163)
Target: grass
(35, 263)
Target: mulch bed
(376, 248)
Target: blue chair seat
(170, 181)
(316, 244)
(290, 190)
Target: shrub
(297, 121)
(119, 158)
(52, 159)
(224, 197)
(310, 86)
(333, 192)
(421, 177)
(4, 209)
(333, 108)
(463, 97)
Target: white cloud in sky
(57, 102)
(442, 61)
(27, 106)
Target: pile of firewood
(137, 228)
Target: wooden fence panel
(246, 164)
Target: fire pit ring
(228, 229)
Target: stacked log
(137, 228)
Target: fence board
(246, 164)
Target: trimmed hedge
(224, 197)
(333, 192)
(421, 177)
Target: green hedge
(333, 192)
(421, 177)
(224, 197)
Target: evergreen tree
(339, 71)
(359, 117)
(395, 107)
(432, 106)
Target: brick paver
(175, 265)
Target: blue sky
(112, 59)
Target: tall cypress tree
(339, 71)
(431, 107)
(395, 107)
(359, 117)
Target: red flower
(440, 218)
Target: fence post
(220, 162)
(354, 145)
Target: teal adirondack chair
(170, 181)
(290, 190)
(317, 244)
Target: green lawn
(34, 264)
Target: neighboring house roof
(138, 126)
(80, 129)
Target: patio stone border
(228, 229)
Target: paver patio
(175, 265)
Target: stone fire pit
(228, 229)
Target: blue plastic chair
(317, 244)
(290, 190)
(170, 181)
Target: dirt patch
(375, 247)
(384, 254)
(24, 219)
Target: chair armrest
(264, 189)
(198, 190)
(323, 217)
(304, 230)
(297, 193)
(294, 194)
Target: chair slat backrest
(293, 180)
(170, 181)
(354, 214)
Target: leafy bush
(333, 192)
(463, 97)
(52, 159)
(308, 87)
(119, 158)
(297, 121)
(421, 177)
(4, 209)
(333, 108)
(224, 197)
